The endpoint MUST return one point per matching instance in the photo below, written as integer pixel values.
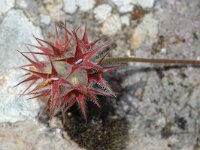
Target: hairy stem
(151, 60)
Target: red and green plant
(71, 69)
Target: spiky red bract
(70, 72)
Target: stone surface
(22, 3)
(148, 143)
(70, 6)
(46, 19)
(125, 20)
(13, 107)
(85, 5)
(32, 135)
(112, 25)
(102, 12)
(5, 5)
(54, 9)
(124, 6)
(145, 3)
(15, 31)
(145, 31)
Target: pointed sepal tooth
(85, 38)
(94, 99)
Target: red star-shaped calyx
(71, 71)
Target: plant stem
(151, 60)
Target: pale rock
(146, 3)
(70, 6)
(161, 121)
(171, 2)
(85, 5)
(13, 107)
(147, 143)
(163, 50)
(112, 25)
(102, 12)
(22, 3)
(5, 5)
(138, 38)
(15, 31)
(124, 6)
(125, 20)
(46, 19)
(194, 96)
(53, 5)
(191, 147)
(32, 135)
(54, 9)
(147, 30)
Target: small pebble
(102, 12)
(112, 25)
(70, 6)
(46, 19)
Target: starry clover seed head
(70, 71)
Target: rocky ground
(157, 107)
